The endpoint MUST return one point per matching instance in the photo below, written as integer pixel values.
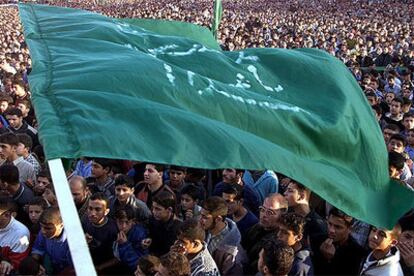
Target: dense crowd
(153, 219)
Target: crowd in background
(151, 219)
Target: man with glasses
(273, 207)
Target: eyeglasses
(271, 212)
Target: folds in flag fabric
(110, 88)
(217, 14)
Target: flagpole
(79, 249)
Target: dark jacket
(163, 235)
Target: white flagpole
(79, 250)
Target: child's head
(189, 197)
(36, 208)
(51, 223)
(410, 137)
(291, 228)
(396, 163)
(408, 121)
(147, 266)
(397, 143)
(124, 187)
(125, 218)
(383, 239)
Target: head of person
(397, 143)
(372, 98)
(174, 264)
(408, 121)
(406, 105)
(8, 146)
(6, 210)
(163, 206)
(191, 236)
(147, 266)
(297, 194)
(291, 227)
(273, 207)
(189, 197)
(35, 208)
(214, 212)
(177, 175)
(232, 175)
(24, 106)
(19, 88)
(396, 163)
(153, 174)
(389, 130)
(233, 195)
(79, 189)
(43, 180)
(276, 258)
(339, 226)
(50, 196)
(15, 117)
(407, 233)
(125, 218)
(124, 187)
(5, 101)
(389, 97)
(381, 239)
(25, 144)
(98, 208)
(9, 178)
(377, 109)
(410, 137)
(51, 223)
(101, 167)
(396, 106)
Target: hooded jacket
(387, 266)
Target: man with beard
(80, 194)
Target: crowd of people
(154, 219)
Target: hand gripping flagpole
(79, 250)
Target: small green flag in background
(110, 88)
(218, 12)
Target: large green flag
(110, 88)
(217, 14)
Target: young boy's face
(176, 177)
(380, 239)
(396, 145)
(187, 202)
(6, 150)
(124, 225)
(408, 123)
(287, 236)
(394, 172)
(123, 192)
(410, 137)
(395, 108)
(51, 230)
(97, 170)
(34, 213)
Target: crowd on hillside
(153, 219)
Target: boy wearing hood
(384, 258)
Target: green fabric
(217, 14)
(105, 88)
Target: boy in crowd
(189, 207)
(147, 266)
(152, 184)
(101, 181)
(389, 130)
(395, 115)
(276, 258)
(24, 150)
(17, 125)
(409, 149)
(163, 225)
(339, 253)
(35, 209)
(298, 197)
(128, 246)
(250, 196)
(384, 259)
(397, 144)
(223, 238)
(101, 232)
(290, 231)
(244, 219)
(52, 241)
(14, 238)
(8, 151)
(21, 194)
(406, 247)
(174, 264)
(124, 196)
(190, 242)
(43, 180)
